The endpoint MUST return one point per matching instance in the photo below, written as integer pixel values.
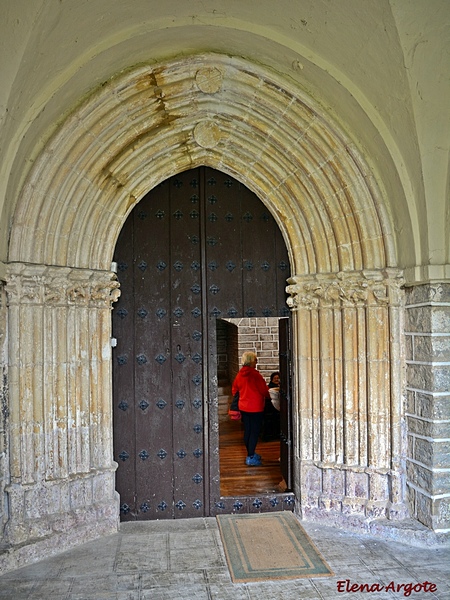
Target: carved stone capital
(346, 289)
(60, 286)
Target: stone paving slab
(185, 560)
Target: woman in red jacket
(253, 392)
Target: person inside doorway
(253, 392)
(271, 426)
(274, 380)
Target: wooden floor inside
(237, 479)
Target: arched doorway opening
(198, 248)
(271, 338)
(346, 296)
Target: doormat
(266, 546)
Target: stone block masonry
(427, 334)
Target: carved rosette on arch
(350, 382)
(59, 328)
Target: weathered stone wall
(134, 131)
(4, 409)
(61, 489)
(427, 334)
(348, 380)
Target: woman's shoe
(253, 461)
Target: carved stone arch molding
(138, 129)
(155, 121)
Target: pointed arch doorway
(198, 247)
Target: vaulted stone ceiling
(375, 68)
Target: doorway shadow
(236, 478)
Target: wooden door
(284, 340)
(198, 247)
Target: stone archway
(154, 122)
(135, 131)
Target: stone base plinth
(63, 533)
(52, 516)
(405, 531)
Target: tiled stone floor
(184, 560)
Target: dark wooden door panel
(285, 402)
(258, 257)
(183, 261)
(152, 371)
(222, 248)
(186, 351)
(246, 258)
(123, 377)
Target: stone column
(61, 462)
(4, 407)
(348, 379)
(428, 409)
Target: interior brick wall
(256, 334)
